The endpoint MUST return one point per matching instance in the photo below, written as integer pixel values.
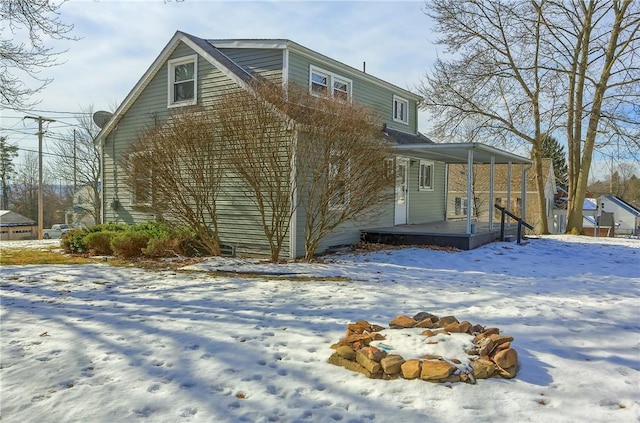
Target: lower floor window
(461, 205)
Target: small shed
(14, 226)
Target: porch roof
(459, 153)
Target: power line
(49, 112)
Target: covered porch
(448, 233)
(466, 233)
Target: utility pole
(40, 120)
(75, 167)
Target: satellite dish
(101, 118)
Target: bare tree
(342, 162)
(595, 46)
(78, 160)
(260, 139)
(24, 197)
(174, 170)
(498, 77)
(31, 24)
(8, 152)
(528, 68)
(295, 151)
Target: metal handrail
(503, 212)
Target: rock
(487, 345)
(411, 368)
(361, 326)
(375, 336)
(467, 378)
(346, 352)
(364, 338)
(392, 364)
(402, 322)
(477, 329)
(377, 328)
(501, 347)
(508, 373)
(485, 333)
(436, 370)
(431, 356)
(369, 364)
(456, 327)
(444, 321)
(423, 315)
(506, 358)
(483, 369)
(426, 323)
(335, 359)
(373, 353)
(428, 333)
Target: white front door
(402, 180)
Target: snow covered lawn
(95, 343)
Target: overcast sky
(120, 39)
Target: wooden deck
(450, 233)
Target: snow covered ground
(95, 343)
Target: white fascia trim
(250, 43)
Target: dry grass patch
(26, 256)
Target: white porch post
(509, 191)
(491, 191)
(524, 194)
(469, 179)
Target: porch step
(509, 238)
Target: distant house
(210, 67)
(504, 195)
(81, 212)
(625, 216)
(14, 226)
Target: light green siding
(426, 206)
(266, 63)
(364, 91)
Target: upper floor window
(324, 83)
(183, 74)
(400, 110)
(425, 183)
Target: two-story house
(194, 71)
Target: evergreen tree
(553, 150)
(7, 153)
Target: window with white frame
(183, 77)
(325, 83)
(461, 206)
(400, 110)
(425, 181)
